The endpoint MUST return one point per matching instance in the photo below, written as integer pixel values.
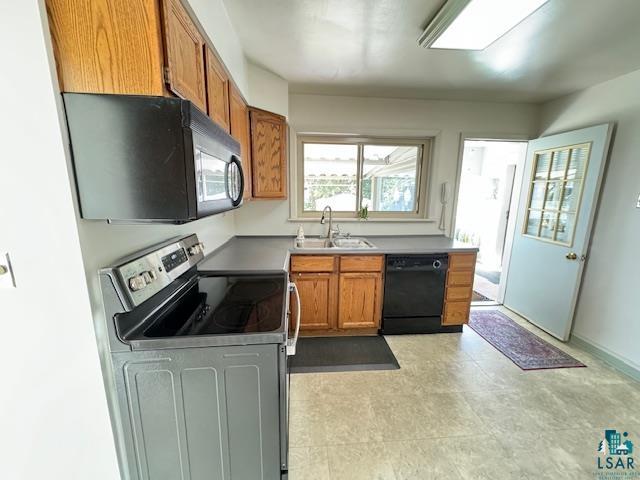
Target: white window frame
(422, 176)
(563, 181)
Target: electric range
(197, 376)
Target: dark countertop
(266, 254)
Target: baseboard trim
(606, 356)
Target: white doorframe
(515, 196)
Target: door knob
(3, 269)
(572, 256)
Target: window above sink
(387, 176)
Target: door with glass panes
(563, 174)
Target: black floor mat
(342, 354)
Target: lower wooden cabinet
(318, 300)
(359, 300)
(459, 288)
(335, 297)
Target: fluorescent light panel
(478, 25)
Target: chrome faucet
(330, 231)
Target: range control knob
(195, 249)
(149, 277)
(137, 283)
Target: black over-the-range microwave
(150, 159)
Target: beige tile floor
(458, 409)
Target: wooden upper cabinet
(268, 154)
(217, 90)
(240, 130)
(184, 54)
(107, 46)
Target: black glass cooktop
(221, 305)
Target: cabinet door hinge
(165, 74)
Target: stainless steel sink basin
(340, 242)
(312, 243)
(351, 242)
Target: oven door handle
(291, 343)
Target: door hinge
(165, 74)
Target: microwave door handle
(238, 200)
(291, 343)
(199, 176)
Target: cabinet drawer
(462, 261)
(458, 279)
(459, 294)
(456, 313)
(312, 263)
(361, 263)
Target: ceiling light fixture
(475, 24)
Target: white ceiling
(369, 48)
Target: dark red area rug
(522, 347)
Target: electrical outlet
(6, 273)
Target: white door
(559, 196)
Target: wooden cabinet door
(456, 313)
(107, 46)
(318, 300)
(360, 300)
(184, 54)
(268, 154)
(217, 91)
(239, 122)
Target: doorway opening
(491, 175)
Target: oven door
(220, 182)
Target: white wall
(608, 315)
(53, 411)
(55, 420)
(445, 120)
(267, 90)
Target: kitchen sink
(312, 243)
(351, 242)
(340, 242)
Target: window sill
(357, 220)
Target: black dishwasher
(414, 294)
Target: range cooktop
(219, 305)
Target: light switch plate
(638, 204)
(6, 279)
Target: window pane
(552, 198)
(559, 165)
(542, 166)
(330, 176)
(389, 175)
(533, 223)
(578, 162)
(537, 195)
(548, 224)
(570, 196)
(565, 227)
